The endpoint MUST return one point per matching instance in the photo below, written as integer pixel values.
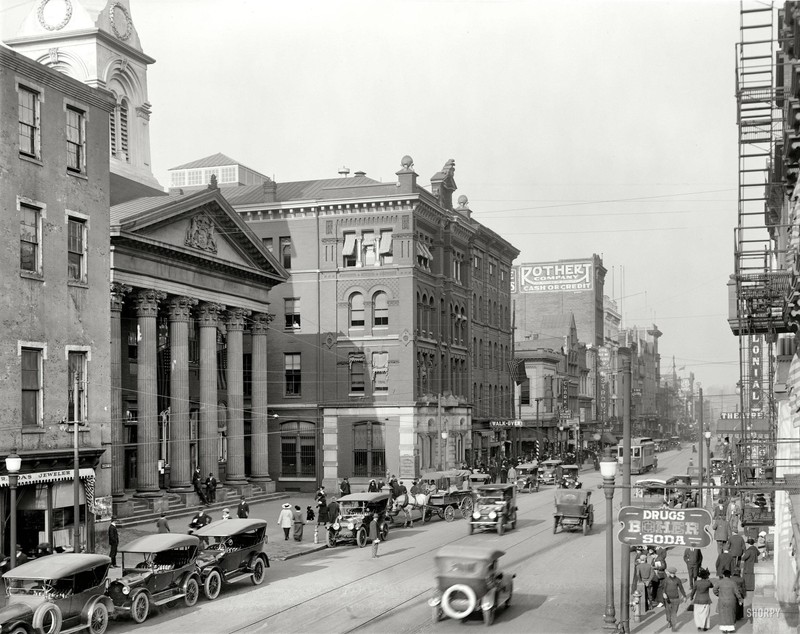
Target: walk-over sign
(664, 527)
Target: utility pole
(439, 440)
(700, 442)
(625, 550)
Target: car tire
(257, 578)
(449, 513)
(212, 585)
(20, 629)
(98, 618)
(192, 592)
(361, 537)
(488, 616)
(331, 539)
(469, 593)
(501, 526)
(140, 607)
(47, 619)
(384, 532)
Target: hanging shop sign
(506, 423)
(664, 527)
(47, 476)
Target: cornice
(65, 36)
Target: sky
(576, 127)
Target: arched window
(431, 315)
(369, 449)
(419, 314)
(380, 309)
(298, 450)
(356, 310)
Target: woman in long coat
(748, 561)
(729, 598)
(701, 598)
(286, 519)
(299, 522)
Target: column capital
(180, 308)
(260, 323)
(235, 318)
(118, 293)
(147, 300)
(209, 314)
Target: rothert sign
(547, 277)
(664, 527)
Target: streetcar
(643, 455)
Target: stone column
(208, 432)
(235, 326)
(147, 397)
(118, 292)
(259, 432)
(179, 316)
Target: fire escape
(760, 284)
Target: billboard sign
(548, 277)
(664, 527)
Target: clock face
(54, 14)
(120, 21)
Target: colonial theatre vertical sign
(756, 372)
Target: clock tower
(95, 41)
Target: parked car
(495, 508)
(232, 550)
(156, 570)
(468, 579)
(355, 513)
(58, 593)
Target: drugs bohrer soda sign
(664, 527)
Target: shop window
(369, 449)
(292, 374)
(298, 450)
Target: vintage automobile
(355, 514)
(573, 511)
(469, 580)
(232, 550)
(57, 593)
(569, 477)
(528, 477)
(494, 508)
(156, 570)
(550, 471)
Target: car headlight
(336, 526)
(476, 515)
(351, 526)
(434, 601)
(493, 515)
(126, 590)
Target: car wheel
(212, 585)
(361, 537)
(501, 526)
(47, 619)
(459, 601)
(466, 507)
(19, 630)
(384, 532)
(331, 539)
(192, 592)
(258, 572)
(140, 607)
(488, 616)
(98, 619)
(449, 513)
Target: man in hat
(243, 510)
(199, 520)
(162, 526)
(286, 520)
(344, 487)
(673, 595)
(113, 542)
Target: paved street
(559, 585)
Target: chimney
(270, 189)
(406, 177)
(344, 171)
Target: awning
(423, 251)
(349, 244)
(386, 243)
(47, 476)
(609, 438)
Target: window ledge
(33, 430)
(76, 284)
(32, 275)
(297, 479)
(80, 175)
(31, 159)
(356, 395)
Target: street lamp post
(74, 427)
(444, 443)
(608, 469)
(708, 458)
(13, 463)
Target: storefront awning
(41, 477)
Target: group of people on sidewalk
(293, 519)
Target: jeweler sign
(664, 527)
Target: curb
(315, 549)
